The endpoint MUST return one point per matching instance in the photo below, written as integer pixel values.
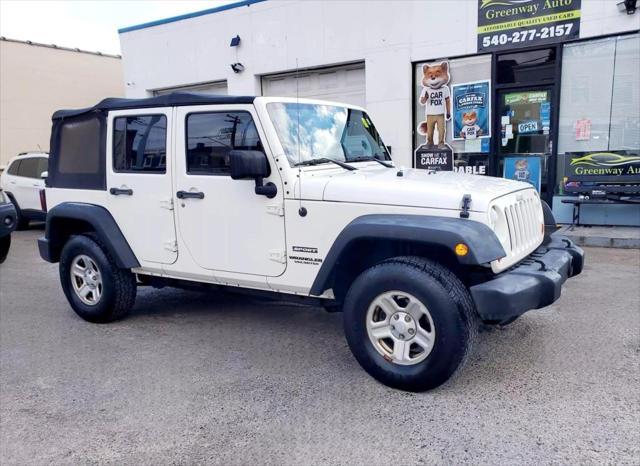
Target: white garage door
(340, 84)
(213, 88)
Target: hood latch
(464, 208)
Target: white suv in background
(23, 183)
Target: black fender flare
(102, 223)
(484, 246)
(14, 201)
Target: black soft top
(174, 99)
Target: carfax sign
(506, 24)
(471, 110)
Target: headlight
(498, 223)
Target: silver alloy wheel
(400, 328)
(86, 279)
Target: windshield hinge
(276, 209)
(278, 255)
(466, 203)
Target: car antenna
(301, 210)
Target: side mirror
(44, 175)
(247, 164)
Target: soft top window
(77, 153)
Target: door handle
(190, 195)
(119, 191)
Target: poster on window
(527, 169)
(471, 110)
(507, 24)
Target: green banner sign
(606, 167)
(506, 24)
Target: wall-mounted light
(237, 67)
(628, 6)
(235, 41)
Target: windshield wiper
(321, 160)
(371, 159)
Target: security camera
(237, 67)
(628, 6)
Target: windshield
(326, 131)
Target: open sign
(529, 126)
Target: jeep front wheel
(97, 290)
(409, 322)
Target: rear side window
(211, 136)
(77, 156)
(15, 166)
(140, 144)
(80, 147)
(32, 167)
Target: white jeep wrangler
(295, 198)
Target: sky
(87, 24)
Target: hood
(416, 188)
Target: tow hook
(466, 203)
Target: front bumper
(8, 219)
(534, 283)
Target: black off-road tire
(5, 244)
(118, 285)
(22, 222)
(447, 300)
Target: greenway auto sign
(505, 24)
(618, 166)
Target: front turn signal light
(461, 249)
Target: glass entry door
(525, 138)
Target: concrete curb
(622, 238)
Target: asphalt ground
(216, 378)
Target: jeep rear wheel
(409, 322)
(97, 290)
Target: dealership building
(545, 91)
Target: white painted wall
(387, 35)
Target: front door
(525, 138)
(223, 223)
(139, 161)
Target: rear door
(139, 170)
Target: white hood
(416, 188)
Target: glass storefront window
(600, 99)
(468, 153)
(624, 131)
(536, 66)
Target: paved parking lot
(215, 378)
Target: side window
(13, 169)
(211, 136)
(43, 166)
(29, 168)
(140, 144)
